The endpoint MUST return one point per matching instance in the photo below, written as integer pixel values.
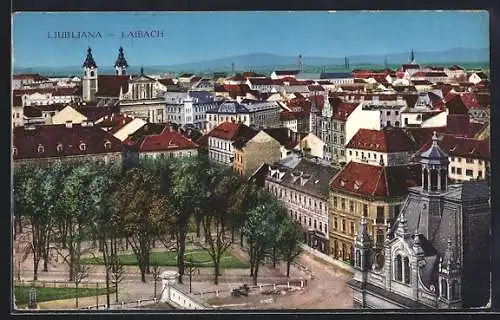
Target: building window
(480, 161)
(459, 159)
(459, 171)
(335, 224)
(452, 159)
(365, 210)
(398, 276)
(309, 222)
(40, 149)
(356, 153)
(352, 227)
(335, 202)
(342, 203)
(452, 169)
(59, 147)
(397, 209)
(406, 268)
(14, 151)
(83, 146)
(444, 288)
(380, 237)
(479, 174)
(315, 225)
(469, 172)
(469, 160)
(380, 215)
(350, 152)
(351, 206)
(343, 225)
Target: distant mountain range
(260, 61)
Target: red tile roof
(230, 131)
(461, 103)
(55, 91)
(32, 112)
(344, 110)
(463, 147)
(376, 181)
(265, 81)
(27, 141)
(115, 121)
(168, 140)
(195, 79)
(387, 140)
(109, 85)
(420, 136)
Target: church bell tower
(89, 83)
(121, 63)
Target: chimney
(69, 124)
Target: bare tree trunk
(216, 270)
(256, 271)
(180, 253)
(288, 268)
(46, 256)
(116, 292)
(76, 288)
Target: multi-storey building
(343, 128)
(65, 142)
(257, 115)
(387, 147)
(189, 108)
(304, 191)
(219, 141)
(469, 158)
(250, 152)
(436, 254)
(371, 191)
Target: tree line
(158, 200)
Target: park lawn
(49, 294)
(169, 259)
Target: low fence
(57, 284)
(297, 283)
(328, 259)
(124, 304)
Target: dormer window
(83, 146)
(40, 148)
(59, 147)
(107, 145)
(14, 151)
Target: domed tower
(89, 83)
(434, 163)
(121, 63)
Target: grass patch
(49, 294)
(169, 259)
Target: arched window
(444, 288)
(59, 147)
(92, 73)
(335, 249)
(444, 178)
(83, 146)
(344, 252)
(40, 148)
(406, 269)
(14, 151)
(398, 270)
(434, 179)
(107, 145)
(425, 183)
(358, 259)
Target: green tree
(289, 242)
(219, 188)
(185, 199)
(258, 230)
(33, 189)
(138, 207)
(245, 198)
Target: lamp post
(192, 267)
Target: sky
(197, 36)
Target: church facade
(437, 254)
